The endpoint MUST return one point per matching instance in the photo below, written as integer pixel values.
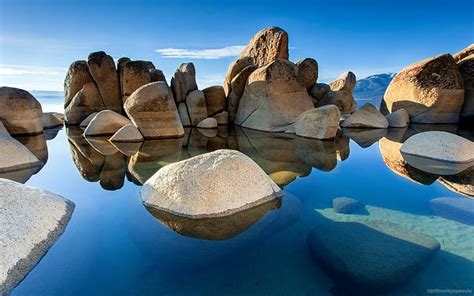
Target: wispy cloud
(206, 54)
(32, 77)
(20, 70)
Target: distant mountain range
(371, 89)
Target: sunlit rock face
(17, 163)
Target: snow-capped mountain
(371, 89)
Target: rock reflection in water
(365, 137)
(219, 228)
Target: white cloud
(32, 77)
(18, 70)
(207, 54)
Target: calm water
(114, 245)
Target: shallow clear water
(114, 245)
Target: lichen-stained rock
(307, 72)
(273, 98)
(134, 74)
(104, 73)
(464, 53)
(342, 99)
(318, 91)
(346, 82)
(20, 112)
(215, 99)
(432, 91)
(105, 123)
(366, 117)
(399, 118)
(267, 46)
(32, 220)
(153, 111)
(320, 123)
(196, 104)
(235, 68)
(214, 184)
(84, 103)
(127, 133)
(237, 87)
(466, 67)
(77, 76)
(183, 82)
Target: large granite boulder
(237, 86)
(466, 68)
(20, 112)
(235, 68)
(273, 98)
(342, 99)
(432, 91)
(214, 184)
(366, 117)
(346, 82)
(183, 82)
(438, 152)
(184, 114)
(267, 46)
(32, 220)
(196, 106)
(15, 156)
(153, 111)
(85, 102)
(215, 99)
(106, 123)
(464, 53)
(307, 72)
(320, 123)
(104, 73)
(77, 76)
(370, 256)
(399, 118)
(133, 75)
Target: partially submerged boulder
(456, 209)
(438, 152)
(20, 112)
(366, 117)
(222, 118)
(52, 120)
(267, 46)
(399, 118)
(77, 76)
(15, 156)
(85, 102)
(320, 123)
(208, 123)
(196, 104)
(346, 82)
(307, 72)
(342, 99)
(127, 133)
(105, 123)
(184, 114)
(32, 220)
(87, 120)
(432, 91)
(273, 98)
(153, 111)
(214, 184)
(183, 81)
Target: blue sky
(39, 39)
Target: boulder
(320, 123)
(215, 99)
(105, 123)
(342, 99)
(32, 220)
(432, 91)
(183, 82)
(222, 118)
(214, 184)
(464, 53)
(366, 117)
(52, 120)
(466, 68)
(3, 129)
(104, 73)
(346, 205)
(20, 112)
(346, 82)
(370, 256)
(438, 152)
(462, 183)
(267, 46)
(273, 98)
(77, 76)
(457, 209)
(307, 72)
(134, 74)
(153, 111)
(127, 133)
(157, 75)
(15, 156)
(208, 123)
(196, 104)
(235, 68)
(237, 87)
(399, 118)
(84, 103)
(87, 120)
(318, 91)
(183, 114)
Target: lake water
(113, 245)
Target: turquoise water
(114, 245)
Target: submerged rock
(438, 152)
(106, 123)
(399, 118)
(320, 123)
(20, 112)
(432, 91)
(215, 184)
(345, 205)
(366, 117)
(32, 220)
(372, 255)
(456, 209)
